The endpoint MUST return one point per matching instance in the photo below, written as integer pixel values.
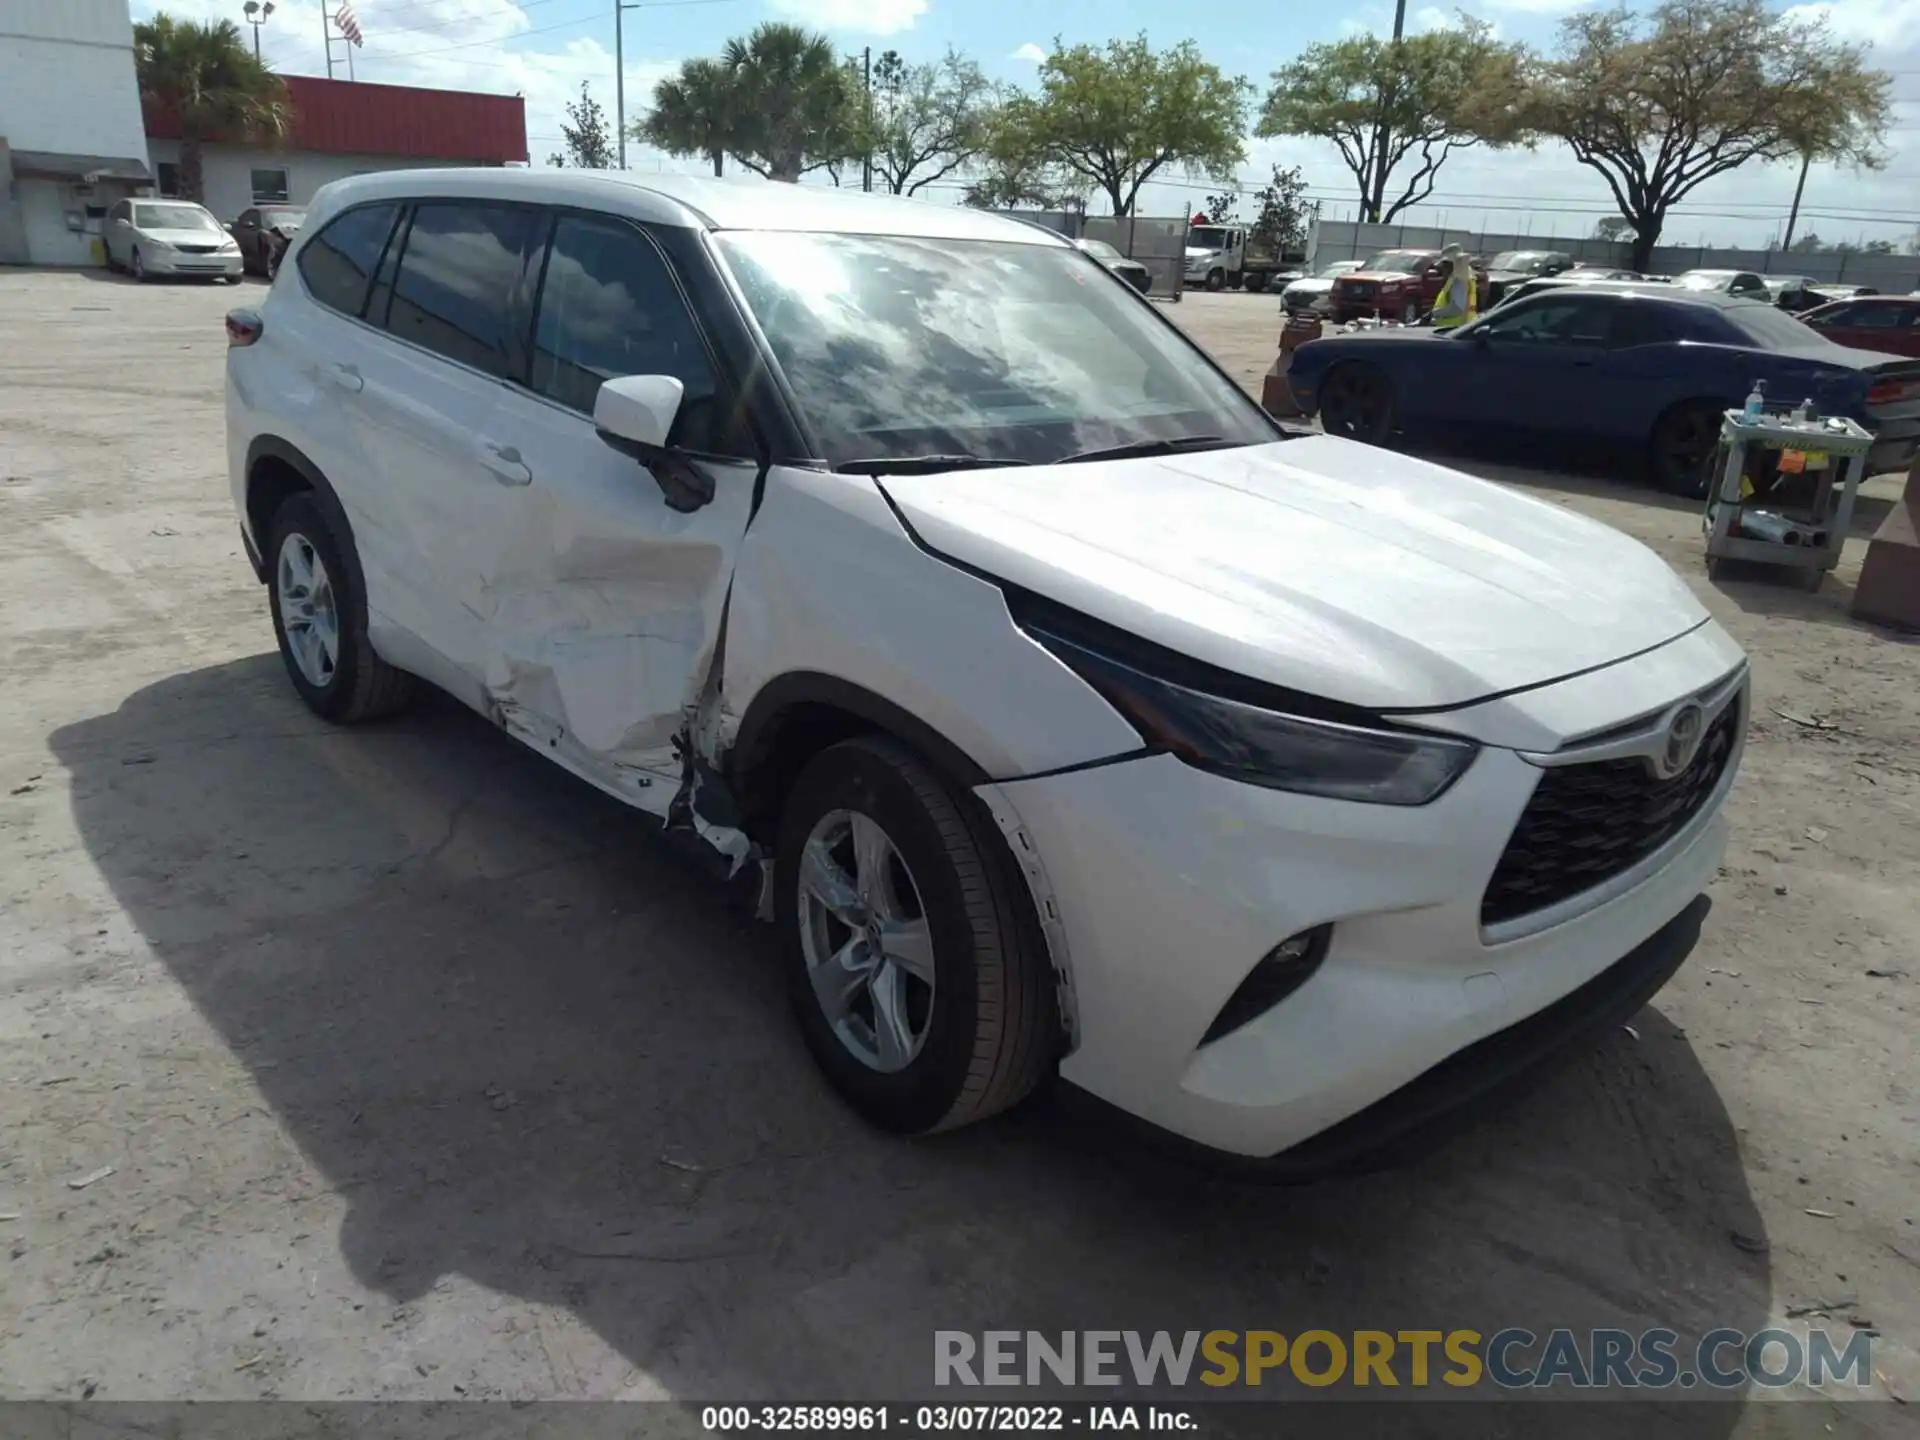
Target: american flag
(349, 24)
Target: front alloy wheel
(1356, 401)
(868, 946)
(916, 968)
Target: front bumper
(175, 262)
(1170, 885)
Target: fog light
(1283, 970)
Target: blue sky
(543, 49)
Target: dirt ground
(395, 1063)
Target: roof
(346, 117)
(58, 165)
(694, 202)
(1654, 289)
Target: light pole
(620, 7)
(257, 14)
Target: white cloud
(868, 17)
(1894, 23)
(1029, 52)
(1537, 7)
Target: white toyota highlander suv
(1283, 793)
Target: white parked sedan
(154, 238)
(1283, 793)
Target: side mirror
(635, 414)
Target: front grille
(1587, 823)
(198, 249)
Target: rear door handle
(503, 462)
(346, 377)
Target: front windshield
(1528, 261)
(900, 346)
(1100, 250)
(1396, 262)
(1206, 237)
(174, 217)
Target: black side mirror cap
(683, 484)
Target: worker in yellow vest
(1456, 303)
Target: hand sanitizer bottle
(1756, 401)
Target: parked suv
(1075, 720)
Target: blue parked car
(1647, 367)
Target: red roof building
(341, 128)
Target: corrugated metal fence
(1345, 240)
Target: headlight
(1259, 744)
(230, 247)
(153, 244)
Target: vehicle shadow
(531, 1050)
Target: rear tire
(977, 1027)
(1680, 450)
(1257, 284)
(1357, 402)
(344, 681)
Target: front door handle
(346, 377)
(503, 462)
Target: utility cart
(1782, 492)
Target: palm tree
(204, 76)
(796, 103)
(693, 113)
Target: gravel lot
(421, 1072)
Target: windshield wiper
(923, 464)
(1153, 447)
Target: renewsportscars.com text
(1509, 1359)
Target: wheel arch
(276, 470)
(795, 716)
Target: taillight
(244, 327)
(1891, 391)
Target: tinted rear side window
(458, 290)
(337, 263)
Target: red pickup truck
(1395, 285)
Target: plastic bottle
(1756, 400)
(1803, 412)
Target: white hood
(1322, 565)
(169, 236)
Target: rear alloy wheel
(1356, 401)
(1680, 453)
(320, 619)
(922, 988)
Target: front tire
(1357, 401)
(921, 987)
(320, 619)
(137, 267)
(1216, 280)
(1410, 313)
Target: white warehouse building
(72, 141)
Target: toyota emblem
(1683, 740)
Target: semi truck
(1229, 257)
